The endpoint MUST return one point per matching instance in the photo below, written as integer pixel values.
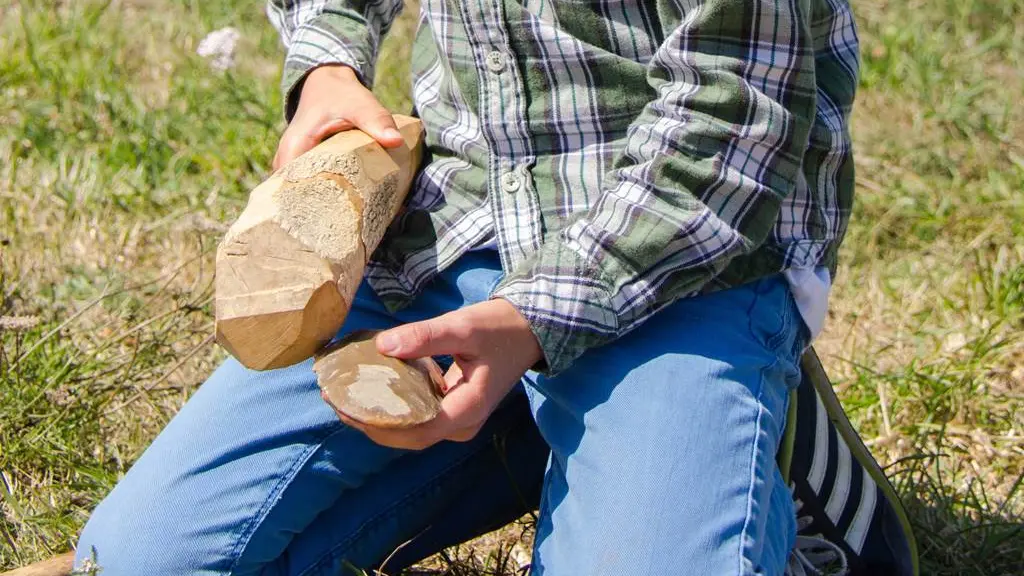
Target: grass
(122, 154)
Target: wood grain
(288, 268)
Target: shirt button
(495, 61)
(510, 182)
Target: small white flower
(88, 567)
(18, 323)
(220, 46)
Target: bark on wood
(57, 566)
(288, 268)
(378, 390)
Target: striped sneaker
(849, 519)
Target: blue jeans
(662, 458)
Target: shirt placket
(511, 193)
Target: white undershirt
(810, 288)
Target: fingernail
(387, 343)
(392, 133)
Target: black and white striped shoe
(849, 519)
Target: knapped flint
(375, 389)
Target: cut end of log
(375, 389)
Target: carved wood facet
(288, 268)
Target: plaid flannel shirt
(620, 154)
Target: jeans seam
(389, 511)
(754, 451)
(494, 284)
(250, 527)
(773, 342)
(543, 516)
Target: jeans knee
(107, 540)
(125, 536)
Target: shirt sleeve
(319, 32)
(698, 184)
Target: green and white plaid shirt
(620, 154)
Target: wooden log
(288, 268)
(378, 390)
(61, 565)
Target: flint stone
(375, 389)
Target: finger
(412, 438)
(276, 164)
(462, 415)
(350, 422)
(293, 144)
(464, 406)
(460, 420)
(346, 420)
(447, 334)
(403, 439)
(374, 119)
(452, 378)
(465, 434)
(302, 135)
(327, 128)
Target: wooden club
(288, 268)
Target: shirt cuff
(330, 39)
(566, 301)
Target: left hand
(493, 347)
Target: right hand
(334, 100)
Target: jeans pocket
(775, 321)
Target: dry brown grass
(121, 154)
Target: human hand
(334, 100)
(493, 347)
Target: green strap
(812, 370)
(785, 455)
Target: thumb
(434, 337)
(376, 121)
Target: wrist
(325, 77)
(525, 329)
(332, 73)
